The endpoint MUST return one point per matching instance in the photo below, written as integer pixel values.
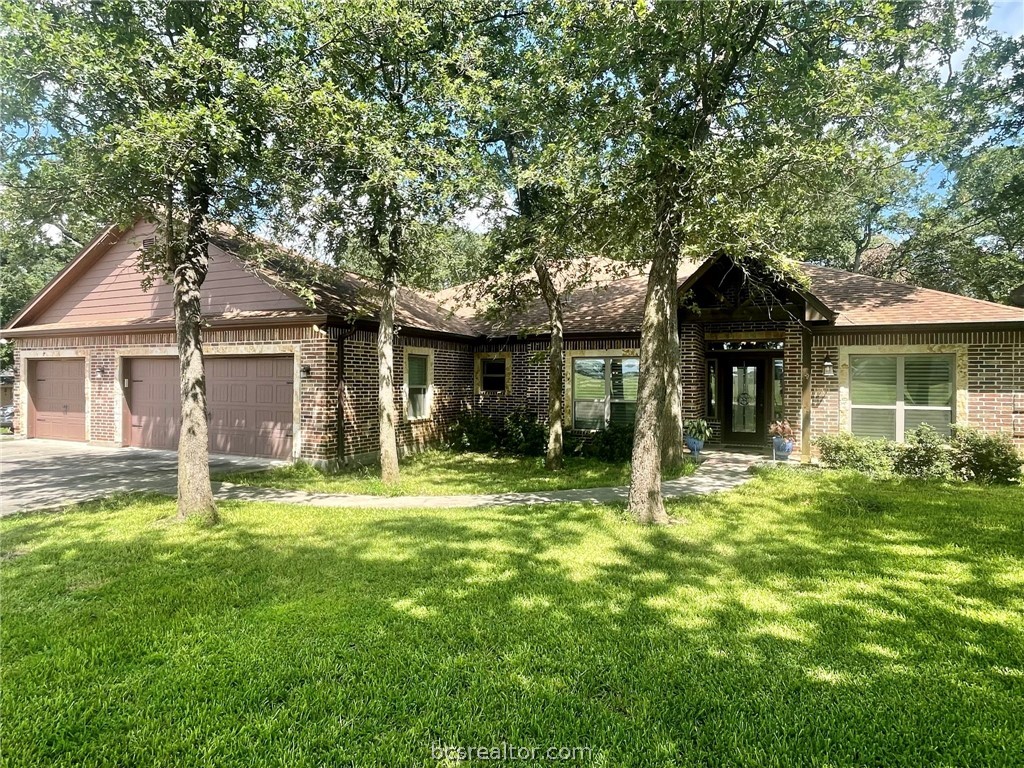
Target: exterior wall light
(101, 372)
(305, 370)
(827, 367)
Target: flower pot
(781, 448)
(694, 445)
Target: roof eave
(221, 323)
(957, 326)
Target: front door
(744, 403)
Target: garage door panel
(238, 389)
(57, 395)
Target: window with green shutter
(416, 374)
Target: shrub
(844, 451)
(925, 455)
(984, 457)
(523, 435)
(472, 431)
(613, 444)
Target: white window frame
(900, 405)
(428, 353)
(607, 356)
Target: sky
(1008, 17)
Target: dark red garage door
(249, 398)
(57, 399)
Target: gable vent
(148, 242)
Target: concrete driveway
(42, 474)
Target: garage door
(249, 399)
(154, 404)
(57, 399)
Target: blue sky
(1008, 17)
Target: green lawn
(441, 473)
(804, 619)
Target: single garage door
(57, 399)
(249, 399)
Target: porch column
(692, 369)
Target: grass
(817, 619)
(442, 473)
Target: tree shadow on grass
(778, 627)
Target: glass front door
(744, 402)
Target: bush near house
(844, 451)
(924, 456)
(519, 434)
(984, 457)
(522, 434)
(472, 431)
(969, 455)
(613, 444)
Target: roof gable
(105, 284)
(724, 289)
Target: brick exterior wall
(995, 376)
(530, 374)
(693, 370)
(452, 392)
(316, 431)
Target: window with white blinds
(891, 395)
(417, 384)
(604, 391)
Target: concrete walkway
(721, 471)
(48, 474)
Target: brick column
(692, 369)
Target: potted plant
(782, 439)
(698, 432)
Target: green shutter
(416, 375)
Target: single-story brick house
(291, 362)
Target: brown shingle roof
(609, 304)
(857, 299)
(860, 300)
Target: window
(604, 391)
(891, 395)
(492, 375)
(492, 372)
(712, 409)
(778, 403)
(417, 384)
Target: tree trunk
(553, 458)
(672, 427)
(645, 500)
(386, 411)
(195, 494)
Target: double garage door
(249, 400)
